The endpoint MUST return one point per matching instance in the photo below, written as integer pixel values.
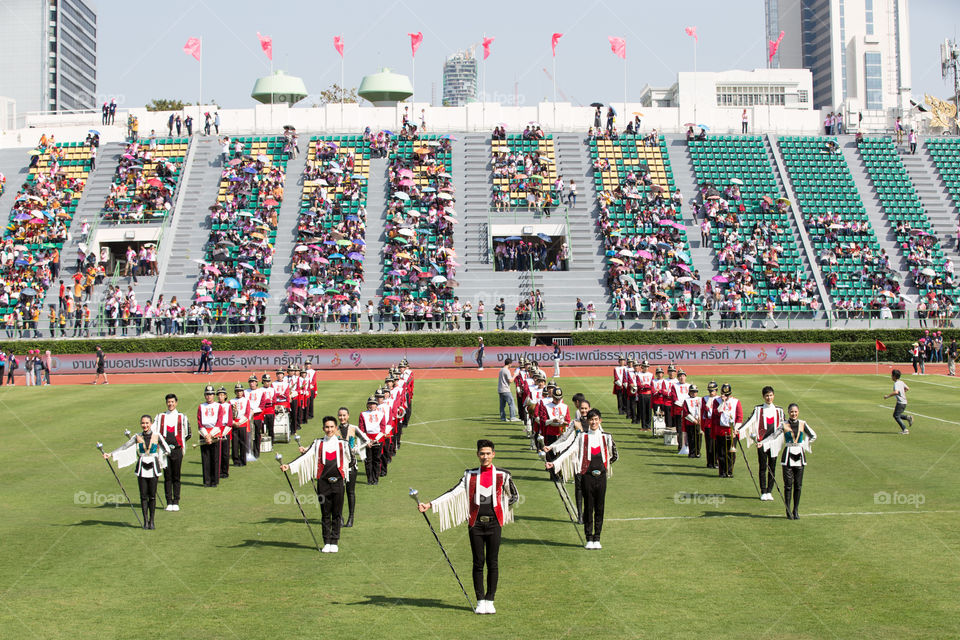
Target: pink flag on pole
(553, 42)
(486, 47)
(192, 48)
(692, 32)
(338, 44)
(773, 45)
(415, 40)
(618, 46)
(266, 43)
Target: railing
(101, 327)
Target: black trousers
(710, 445)
(171, 477)
(239, 447)
(210, 461)
(372, 464)
(646, 410)
(330, 495)
(594, 497)
(148, 497)
(621, 405)
(257, 435)
(521, 410)
(485, 545)
(224, 457)
(768, 470)
(725, 458)
(693, 439)
(792, 483)
(294, 416)
(268, 423)
(310, 409)
(351, 491)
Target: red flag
(692, 32)
(553, 42)
(486, 47)
(193, 47)
(773, 46)
(338, 44)
(881, 346)
(266, 43)
(618, 46)
(415, 40)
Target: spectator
(504, 380)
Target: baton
(747, 462)
(107, 460)
(297, 500)
(414, 495)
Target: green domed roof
(385, 87)
(279, 88)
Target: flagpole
(483, 112)
(200, 102)
(554, 88)
(342, 90)
(695, 81)
(624, 89)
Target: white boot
(490, 607)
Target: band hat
(693, 388)
(371, 400)
(645, 363)
(726, 389)
(671, 368)
(659, 370)
(557, 392)
(208, 389)
(265, 377)
(222, 390)
(238, 386)
(712, 385)
(252, 378)
(681, 372)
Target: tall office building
(49, 53)
(460, 73)
(857, 50)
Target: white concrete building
(49, 53)
(857, 50)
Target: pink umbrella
(298, 291)
(405, 173)
(720, 279)
(645, 254)
(451, 219)
(323, 261)
(212, 269)
(684, 267)
(204, 299)
(407, 182)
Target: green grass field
(236, 562)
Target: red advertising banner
(450, 357)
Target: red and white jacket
(644, 383)
(255, 396)
(266, 404)
(576, 457)
(661, 392)
(372, 424)
(709, 413)
(172, 425)
(240, 413)
(554, 417)
(309, 466)
(731, 417)
(281, 393)
(678, 394)
(210, 420)
(462, 502)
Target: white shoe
(326, 549)
(169, 507)
(596, 544)
(481, 607)
(490, 607)
(334, 548)
(176, 507)
(589, 545)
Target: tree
(162, 104)
(332, 95)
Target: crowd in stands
(533, 253)
(327, 263)
(144, 183)
(524, 171)
(233, 280)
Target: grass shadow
(105, 523)
(386, 601)
(269, 543)
(538, 541)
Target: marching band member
(311, 376)
(533, 401)
(226, 429)
(266, 404)
(660, 395)
(174, 428)
(554, 416)
(619, 380)
(255, 396)
(148, 450)
(327, 461)
(589, 455)
(293, 392)
(281, 400)
(358, 442)
(765, 419)
(371, 423)
(387, 421)
(484, 498)
(240, 422)
(632, 391)
(709, 419)
(645, 395)
(794, 437)
(678, 396)
(730, 420)
(668, 414)
(691, 421)
(209, 424)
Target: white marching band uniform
(454, 506)
(149, 465)
(305, 467)
(770, 417)
(794, 448)
(580, 451)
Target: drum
(281, 425)
(670, 438)
(266, 444)
(659, 424)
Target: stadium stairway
(703, 256)
(287, 217)
(810, 258)
(932, 190)
(185, 239)
(13, 165)
(91, 204)
(882, 226)
(374, 233)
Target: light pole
(950, 61)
